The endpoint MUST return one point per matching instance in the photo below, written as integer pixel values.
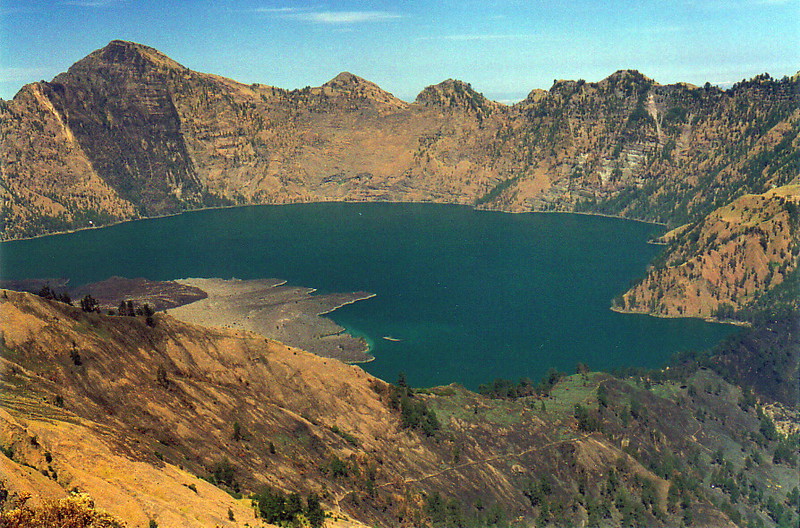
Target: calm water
(471, 295)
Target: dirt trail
(487, 460)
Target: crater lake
(462, 295)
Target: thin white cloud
(315, 15)
(89, 3)
(278, 10)
(345, 17)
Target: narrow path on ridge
(427, 476)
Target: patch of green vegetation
(461, 406)
(447, 512)
(437, 391)
(508, 389)
(8, 451)
(276, 507)
(668, 390)
(349, 438)
(496, 191)
(414, 413)
(570, 391)
(504, 413)
(779, 302)
(337, 467)
(87, 327)
(6, 351)
(223, 475)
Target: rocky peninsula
(270, 307)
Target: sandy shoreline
(289, 314)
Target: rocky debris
(158, 295)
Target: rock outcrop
(128, 132)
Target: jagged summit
(618, 78)
(347, 80)
(149, 137)
(125, 54)
(623, 76)
(453, 93)
(352, 86)
(535, 95)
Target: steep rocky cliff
(128, 132)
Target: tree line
(89, 304)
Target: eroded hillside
(720, 265)
(134, 414)
(128, 132)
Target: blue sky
(505, 48)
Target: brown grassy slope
(726, 260)
(146, 409)
(177, 390)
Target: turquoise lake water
(471, 295)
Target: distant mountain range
(128, 133)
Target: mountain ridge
(129, 133)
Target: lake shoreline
(277, 311)
(238, 206)
(714, 320)
(472, 296)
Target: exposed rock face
(722, 263)
(128, 132)
(349, 87)
(118, 104)
(48, 182)
(454, 94)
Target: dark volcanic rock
(159, 295)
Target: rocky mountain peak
(453, 93)
(535, 95)
(352, 86)
(121, 54)
(346, 80)
(626, 76)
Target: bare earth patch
(269, 307)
